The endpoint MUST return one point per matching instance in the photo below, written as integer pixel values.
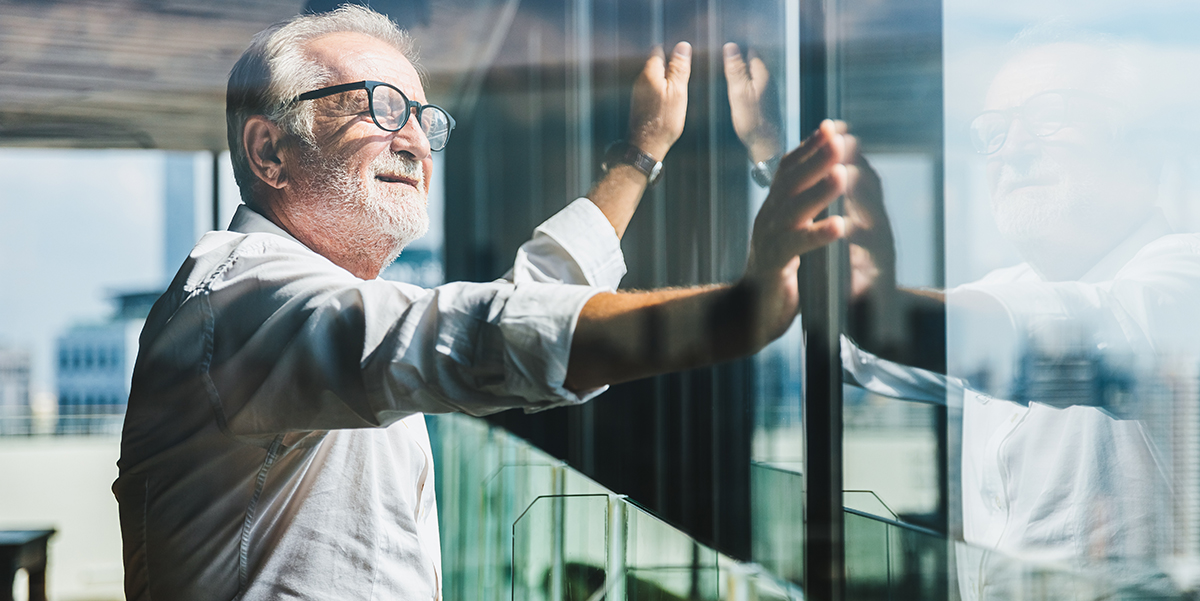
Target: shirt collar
(1106, 269)
(248, 221)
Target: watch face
(760, 175)
(655, 171)
(627, 154)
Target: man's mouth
(396, 179)
(1027, 183)
(1039, 175)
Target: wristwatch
(763, 172)
(624, 152)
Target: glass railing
(517, 523)
(891, 560)
(887, 559)
(65, 420)
(777, 519)
(891, 472)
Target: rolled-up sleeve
(576, 246)
(478, 349)
(298, 344)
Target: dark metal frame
(822, 299)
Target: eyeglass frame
(370, 85)
(1009, 113)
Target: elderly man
(274, 444)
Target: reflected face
(368, 186)
(1057, 174)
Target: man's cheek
(993, 173)
(427, 169)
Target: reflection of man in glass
(1087, 349)
(1079, 464)
(1066, 188)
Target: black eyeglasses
(1042, 115)
(390, 108)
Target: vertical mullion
(718, 442)
(580, 139)
(822, 299)
(216, 190)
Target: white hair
(275, 69)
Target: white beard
(371, 219)
(1043, 215)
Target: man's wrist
(658, 150)
(764, 149)
(626, 153)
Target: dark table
(23, 549)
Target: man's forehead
(351, 56)
(1062, 66)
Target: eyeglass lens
(436, 125)
(1041, 115)
(391, 111)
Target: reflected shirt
(275, 444)
(1079, 465)
(1047, 478)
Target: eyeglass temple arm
(338, 89)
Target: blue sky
(75, 225)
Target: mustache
(1015, 174)
(395, 164)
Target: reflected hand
(746, 84)
(868, 230)
(809, 178)
(659, 104)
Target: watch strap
(622, 152)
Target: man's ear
(264, 145)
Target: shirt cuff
(538, 325)
(586, 234)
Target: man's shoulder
(1022, 272)
(221, 253)
(1184, 246)
(1172, 258)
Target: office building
(95, 364)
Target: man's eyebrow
(351, 100)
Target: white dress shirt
(274, 445)
(1057, 481)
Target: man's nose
(411, 139)
(1019, 140)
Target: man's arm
(656, 117)
(876, 302)
(626, 336)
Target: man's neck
(1065, 260)
(1057, 264)
(361, 266)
